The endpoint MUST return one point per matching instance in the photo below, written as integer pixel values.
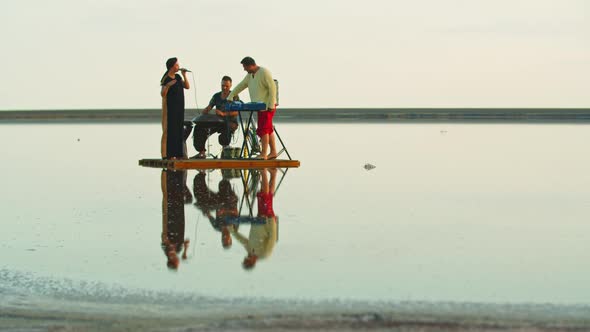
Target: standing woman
(173, 110)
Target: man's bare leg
(273, 146)
(264, 142)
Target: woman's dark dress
(175, 117)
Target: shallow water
(479, 213)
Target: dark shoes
(198, 156)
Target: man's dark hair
(226, 78)
(248, 61)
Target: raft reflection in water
(225, 210)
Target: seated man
(225, 128)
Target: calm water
(485, 213)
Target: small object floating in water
(369, 167)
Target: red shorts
(265, 205)
(265, 122)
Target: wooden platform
(218, 163)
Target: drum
(231, 153)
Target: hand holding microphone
(184, 70)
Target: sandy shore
(29, 303)
(59, 315)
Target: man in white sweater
(262, 89)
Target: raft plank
(218, 163)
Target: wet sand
(30, 303)
(56, 316)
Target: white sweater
(261, 86)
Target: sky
(110, 54)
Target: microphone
(186, 70)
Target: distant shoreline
(320, 115)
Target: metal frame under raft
(219, 163)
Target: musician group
(214, 118)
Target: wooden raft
(218, 163)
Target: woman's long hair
(169, 63)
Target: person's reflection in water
(263, 236)
(224, 203)
(174, 194)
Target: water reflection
(263, 232)
(238, 204)
(175, 194)
(224, 203)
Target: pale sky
(66, 54)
